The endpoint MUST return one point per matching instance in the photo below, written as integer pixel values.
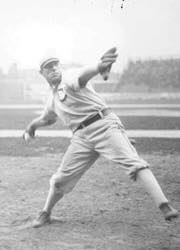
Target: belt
(94, 118)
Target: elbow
(51, 121)
(82, 82)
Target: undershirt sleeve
(48, 110)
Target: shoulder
(49, 103)
(49, 109)
(71, 78)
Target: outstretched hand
(28, 134)
(106, 62)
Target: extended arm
(87, 75)
(45, 119)
(104, 65)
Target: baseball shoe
(42, 219)
(168, 211)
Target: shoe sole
(41, 225)
(172, 216)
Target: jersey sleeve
(48, 111)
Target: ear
(40, 71)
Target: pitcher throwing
(97, 131)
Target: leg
(150, 183)
(77, 160)
(53, 197)
(116, 146)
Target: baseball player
(96, 131)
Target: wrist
(99, 68)
(31, 130)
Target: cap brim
(49, 60)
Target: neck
(54, 87)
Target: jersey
(73, 104)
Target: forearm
(87, 75)
(40, 122)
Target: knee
(134, 172)
(56, 183)
(61, 184)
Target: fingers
(106, 65)
(106, 62)
(109, 60)
(26, 136)
(112, 50)
(109, 55)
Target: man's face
(52, 73)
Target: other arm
(46, 119)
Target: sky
(81, 31)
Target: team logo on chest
(61, 94)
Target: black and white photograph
(90, 125)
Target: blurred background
(79, 32)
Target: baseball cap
(45, 61)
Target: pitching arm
(103, 67)
(87, 75)
(46, 119)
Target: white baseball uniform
(105, 136)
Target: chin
(55, 81)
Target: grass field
(104, 211)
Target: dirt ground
(106, 210)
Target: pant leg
(76, 161)
(113, 143)
(110, 140)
